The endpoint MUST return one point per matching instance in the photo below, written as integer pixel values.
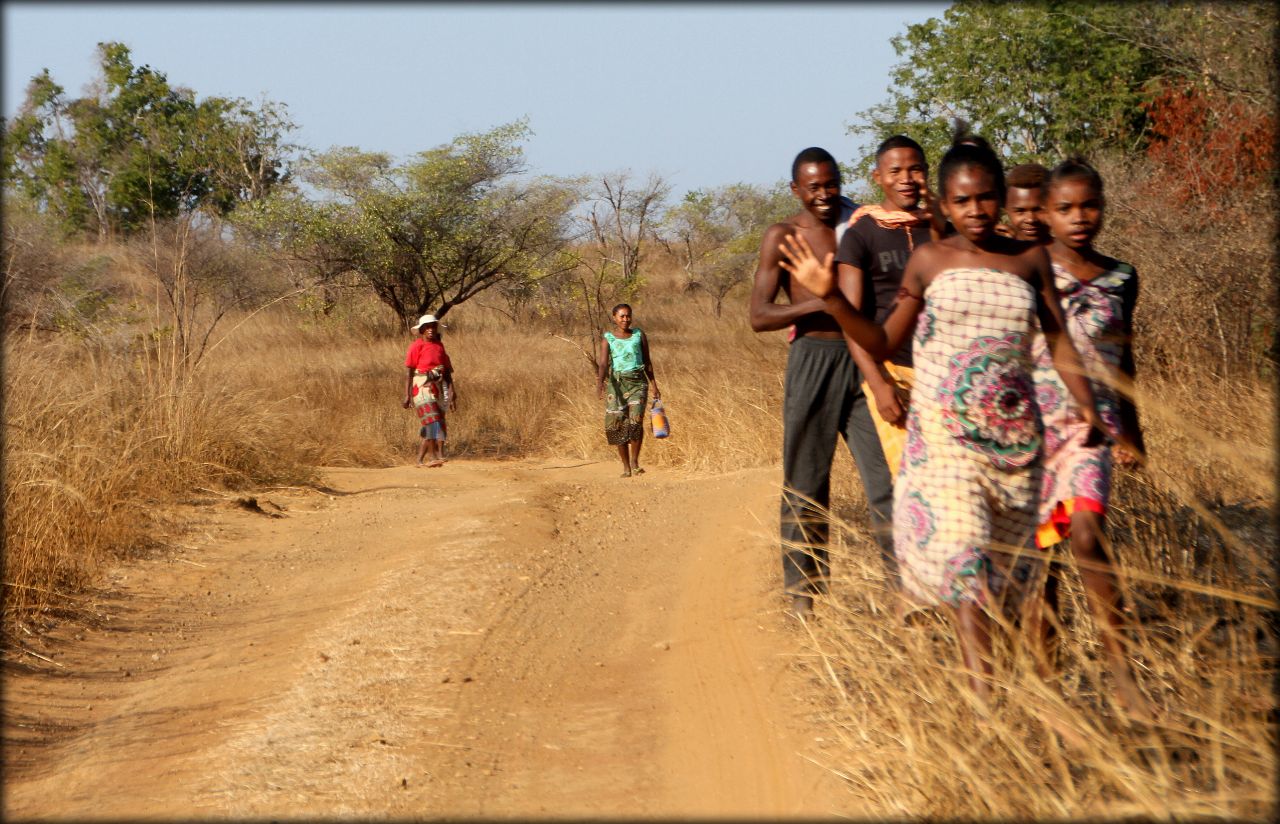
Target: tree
(716, 234)
(1035, 79)
(1211, 108)
(622, 220)
(139, 150)
(1220, 49)
(611, 235)
(429, 234)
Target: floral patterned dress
(1076, 477)
(970, 476)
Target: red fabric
(1058, 527)
(425, 355)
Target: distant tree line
(138, 156)
(1183, 83)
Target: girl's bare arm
(1128, 370)
(902, 320)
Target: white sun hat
(424, 320)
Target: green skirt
(626, 394)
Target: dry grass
(100, 435)
(1194, 538)
(911, 743)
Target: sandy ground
(482, 640)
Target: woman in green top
(625, 362)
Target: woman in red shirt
(429, 388)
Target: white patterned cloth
(966, 498)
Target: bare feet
(637, 471)
(626, 473)
(434, 464)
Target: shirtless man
(821, 399)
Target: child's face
(1074, 211)
(901, 174)
(972, 202)
(1025, 208)
(622, 318)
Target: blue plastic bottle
(659, 420)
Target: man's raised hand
(798, 260)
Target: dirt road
(481, 640)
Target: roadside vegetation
(181, 321)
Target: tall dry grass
(102, 430)
(1200, 582)
(100, 436)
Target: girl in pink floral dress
(965, 500)
(1098, 295)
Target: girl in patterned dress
(965, 502)
(1098, 294)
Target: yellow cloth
(892, 438)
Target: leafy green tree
(428, 234)
(716, 234)
(1220, 49)
(1037, 79)
(140, 150)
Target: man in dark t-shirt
(873, 254)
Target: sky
(705, 95)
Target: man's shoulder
(788, 224)
(864, 233)
(867, 227)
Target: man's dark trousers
(821, 401)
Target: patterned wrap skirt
(626, 394)
(1077, 478)
(428, 394)
(966, 496)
